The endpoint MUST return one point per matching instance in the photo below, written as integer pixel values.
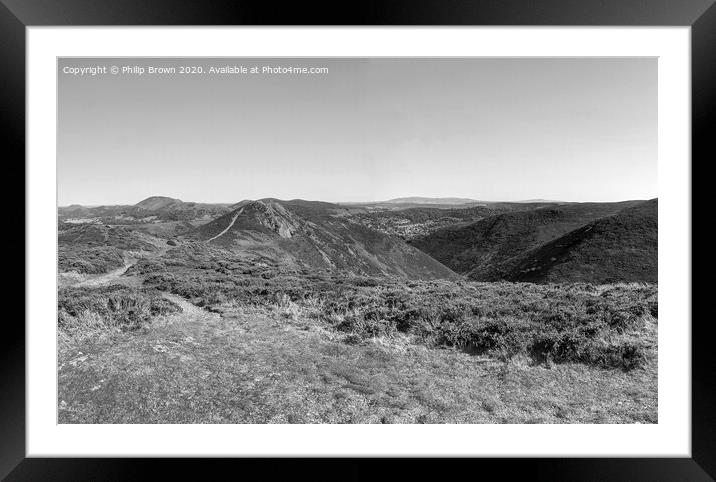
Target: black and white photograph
(354, 240)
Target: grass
(255, 365)
(83, 311)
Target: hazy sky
(368, 129)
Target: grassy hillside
(265, 365)
(478, 248)
(304, 234)
(561, 322)
(621, 247)
(211, 338)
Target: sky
(570, 129)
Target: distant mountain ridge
(430, 200)
(151, 209)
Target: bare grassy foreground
(129, 355)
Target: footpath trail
(116, 276)
(226, 230)
(111, 277)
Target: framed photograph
(423, 230)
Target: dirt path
(190, 313)
(111, 277)
(116, 276)
(233, 220)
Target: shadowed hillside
(317, 235)
(622, 247)
(480, 247)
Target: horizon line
(466, 201)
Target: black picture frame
(16, 15)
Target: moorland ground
(306, 313)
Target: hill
(621, 247)
(318, 236)
(156, 203)
(153, 210)
(477, 248)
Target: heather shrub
(601, 325)
(89, 260)
(118, 306)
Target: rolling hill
(617, 248)
(158, 203)
(316, 235)
(479, 248)
(155, 209)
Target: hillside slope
(315, 236)
(154, 209)
(479, 247)
(97, 235)
(621, 247)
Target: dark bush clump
(89, 260)
(118, 306)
